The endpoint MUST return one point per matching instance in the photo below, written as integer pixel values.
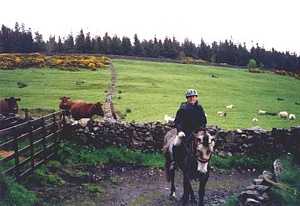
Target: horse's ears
(200, 129)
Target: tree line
(20, 40)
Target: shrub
(240, 162)
(252, 63)
(12, 193)
(290, 177)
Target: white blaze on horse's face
(204, 149)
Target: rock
(252, 202)
(257, 181)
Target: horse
(195, 155)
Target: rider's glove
(181, 134)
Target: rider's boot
(176, 158)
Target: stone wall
(148, 137)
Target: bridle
(196, 143)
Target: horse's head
(204, 146)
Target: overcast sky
(270, 23)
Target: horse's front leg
(203, 178)
(188, 191)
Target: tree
(88, 48)
(148, 46)
(171, 48)
(214, 52)
(204, 51)
(227, 53)
(60, 46)
(106, 44)
(38, 43)
(189, 48)
(6, 45)
(138, 50)
(99, 48)
(243, 55)
(116, 45)
(126, 46)
(51, 44)
(69, 44)
(252, 63)
(156, 48)
(80, 42)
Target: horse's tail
(168, 139)
(167, 163)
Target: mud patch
(135, 186)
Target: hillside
(146, 91)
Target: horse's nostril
(200, 153)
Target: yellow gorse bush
(65, 62)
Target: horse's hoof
(173, 198)
(200, 203)
(183, 201)
(193, 201)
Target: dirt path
(132, 186)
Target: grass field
(46, 86)
(146, 91)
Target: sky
(270, 24)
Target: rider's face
(192, 99)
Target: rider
(189, 116)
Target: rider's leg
(177, 150)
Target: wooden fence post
(16, 151)
(44, 139)
(31, 137)
(55, 127)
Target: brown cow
(9, 105)
(66, 105)
(81, 109)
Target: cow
(66, 105)
(9, 105)
(81, 109)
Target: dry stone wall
(148, 137)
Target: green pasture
(46, 86)
(146, 91)
(151, 90)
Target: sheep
(168, 119)
(229, 106)
(292, 117)
(283, 114)
(254, 119)
(82, 122)
(261, 112)
(222, 114)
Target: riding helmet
(191, 92)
